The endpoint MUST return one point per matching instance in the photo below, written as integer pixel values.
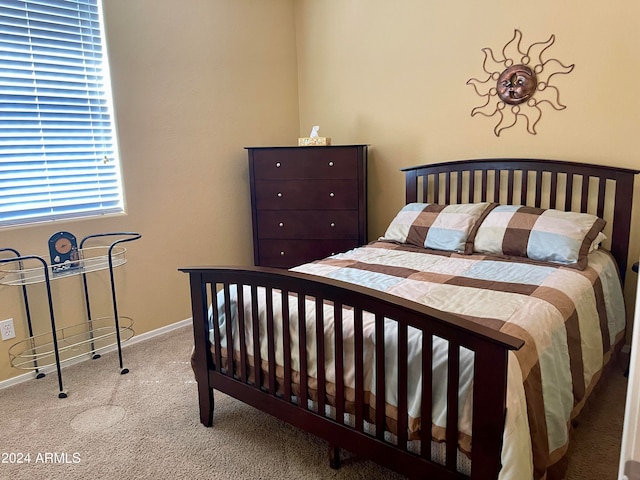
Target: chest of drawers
(307, 202)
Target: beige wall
(192, 87)
(393, 74)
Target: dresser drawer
(311, 162)
(306, 194)
(289, 253)
(299, 224)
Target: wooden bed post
(622, 222)
(489, 397)
(411, 186)
(334, 457)
(201, 343)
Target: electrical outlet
(7, 330)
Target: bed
(494, 298)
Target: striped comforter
(569, 320)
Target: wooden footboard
(349, 418)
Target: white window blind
(58, 148)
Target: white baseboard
(133, 340)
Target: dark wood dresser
(307, 202)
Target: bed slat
(426, 407)
(243, 341)
(453, 371)
(524, 186)
(602, 185)
(359, 369)
(510, 187)
(339, 359)
(228, 326)
(271, 351)
(302, 350)
(484, 186)
(256, 336)
(216, 334)
(380, 377)
(471, 198)
(585, 194)
(320, 377)
(286, 340)
(538, 189)
(403, 380)
(553, 190)
(568, 196)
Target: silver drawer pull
(282, 253)
(279, 194)
(281, 224)
(332, 224)
(331, 164)
(278, 164)
(332, 194)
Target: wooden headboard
(570, 186)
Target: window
(58, 146)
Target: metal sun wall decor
(518, 84)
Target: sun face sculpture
(518, 84)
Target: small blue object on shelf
(63, 251)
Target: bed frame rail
(217, 367)
(601, 190)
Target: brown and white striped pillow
(540, 234)
(439, 227)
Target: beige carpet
(146, 425)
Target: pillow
(439, 227)
(540, 234)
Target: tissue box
(314, 141)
